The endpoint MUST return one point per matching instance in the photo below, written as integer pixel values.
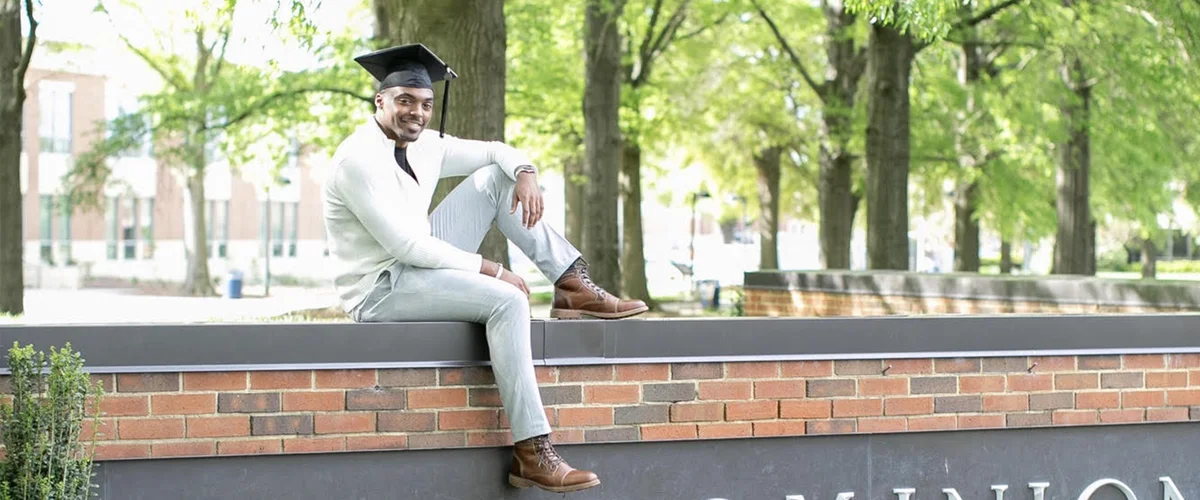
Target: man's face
(404, 111)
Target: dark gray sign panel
(1144, 462)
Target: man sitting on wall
(395, 263)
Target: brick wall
(795, 303)
(235, 413)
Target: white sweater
(375, 214)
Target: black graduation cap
(412, 65)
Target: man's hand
(529, 196)
(490, 268)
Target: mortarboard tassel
(445, 104)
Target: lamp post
(692, 242)
(281, 181)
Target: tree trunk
(573, 186)
(633, 262)
(470, 36)
(602, 139)
(966, 228)
(766, 162)
(890, 55)
(198, 281)
(1006, 262)
(1149, 259)
(835, 197)
(12, 105)
(1075, 237)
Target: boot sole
(577, 314)
(521, 482)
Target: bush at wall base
(52, 396)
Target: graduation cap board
(412, 65)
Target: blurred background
(168, 161)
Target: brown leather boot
(535, 463)
(575, 295)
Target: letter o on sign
(1100, 483)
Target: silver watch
(527, 168)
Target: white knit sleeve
(464, 156)
(373, 198)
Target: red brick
(1166, 414)
(811, 408)
(774, 389)
(248, 402)
(956, 365)
(313, 445)
(738, 390)
(1076, 381)
(562, 436)
(344, 423)
(224, 426)
(1189, 397)
(980, 421)
(147, 382)
(183, 404)
(214, 381)
(1030, 383)
(612, 394)
(780, 428)
(437, 398)
(909, 366)
(1143, 399)
(375, 399)
(596, 373)
(713, 431)
(640, 373)
(281, 380)
(1099, 362)
(184, 449)
(669, 432)
(893, 386)
(345, 379)
(104, 430)
(882, 424)
(489, 438)
(697, 371)
(1144, 361)
(934, 423)
(842, 426)
(752, 410)
(857, 408)
(1194, 378)
(806, 368)
(755, 370)
(583, 416)
(150, 428)
(977, 384)
(437, 440)
(314, 401)
(117, 451)
(406, 377)
(1122, 416)
(1074, 417)
(406, 421)
(377, 442)
(1005, 402)
(1166, 379)
(125, 406)
(468, 420)
(1173, 361)
(250, 447)
(1095, 400)
(546, 374)
(908, 406)
(1052, 363)
(470, 375)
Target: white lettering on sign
(1170, 492)
(904, 493)
(1100, 483)
(1039, 490)
(999, 489)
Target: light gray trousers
(406, 293)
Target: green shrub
(45, 458)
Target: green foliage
(51, 398)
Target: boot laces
(546, 454)
(587, 282)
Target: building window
(46, 227)
(129, 224)
(283, 217)
(54, 125)
(218, 228)
(294, 229)
(64, 245)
